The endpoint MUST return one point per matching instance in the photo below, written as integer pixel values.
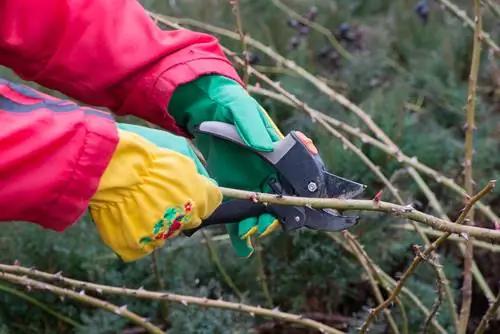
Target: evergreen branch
(462, 16)
(484, 323)
(40, 305)
(152, 295)
(390, 281)
(432, 261)
(81, 297)
(384, 146)
(374, 278)
(468, 180)
(419, 257)
(319, 28)
(370, 205)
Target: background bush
(409, 72)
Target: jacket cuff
(151, 104)
(80, 180)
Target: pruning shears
(301, 172)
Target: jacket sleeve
(52, 156)
(106, 53)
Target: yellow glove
(151, 190)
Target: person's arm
(53, 154)
(106, 53)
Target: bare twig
(388, 280)
(483, 325)
(454, 238)
(469, 151)
(40, 305)
(462, 15)
(239, 27)
(369, 205)
(185, 300)
(81, 297)
(431, 260)
(418, 258)
(374, 278)
(335, 43)
(216, 261)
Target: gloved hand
(217, 98)
(153, 188)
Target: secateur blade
(301, 172)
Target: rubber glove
(217, 98)
(153, 188)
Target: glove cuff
(149, 194)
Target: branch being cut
(369, 205)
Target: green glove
(217, 98)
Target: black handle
(232, 211)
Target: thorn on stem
(378, 196)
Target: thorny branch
(469, 151)
(370, 205)
(81, 297)
(152, 295)
(419, 257)
(483, 325)
(432, 261)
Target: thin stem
(388, 280)
(185, 300)
(454, 238)
(373, 277)
(370, 205)
(39, 304)
(432, 261)
(327, 33)
(483, 325)
(261, 274)
(215, 259)
(241, 33)
(161, 284)
(462, 15)
(419, 257)
(468, 180)
(81, 297)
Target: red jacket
(102, 53)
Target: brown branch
(468, 180)
(462, 16)
(185, 300)
(483, 325)
(374, 278)
(369, 205)
(432, 261)
(390, 281)
(419, 257)
(81, 297)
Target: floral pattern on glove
(172, 220)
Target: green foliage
(402, 62)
